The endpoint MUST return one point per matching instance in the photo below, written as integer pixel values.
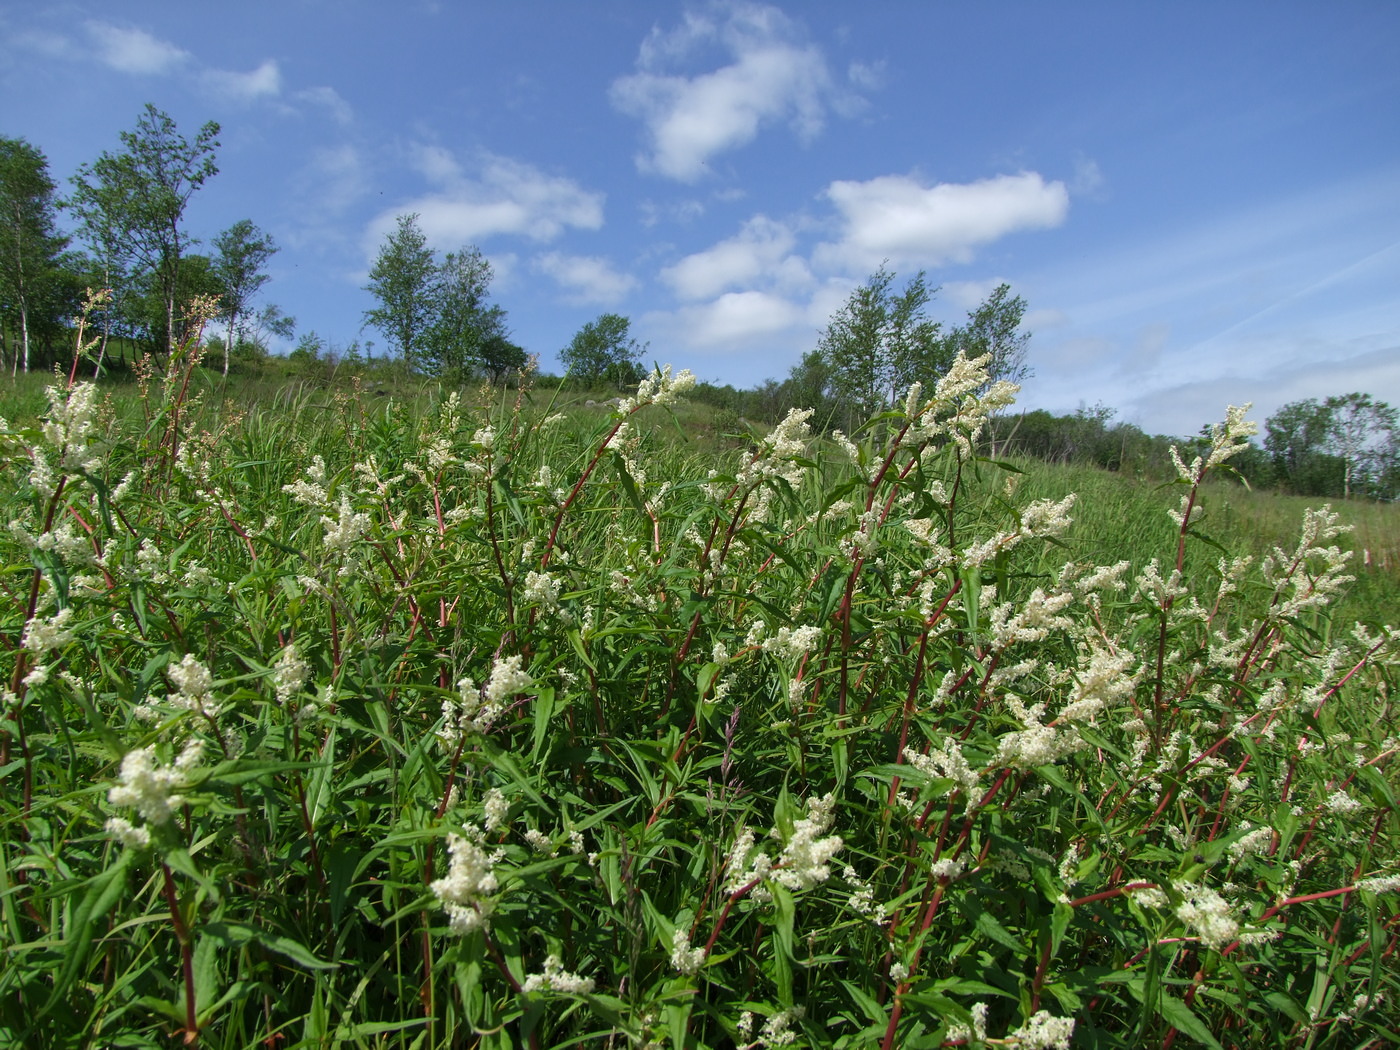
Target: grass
(345, 720)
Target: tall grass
(346, 722)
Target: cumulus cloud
(773, 76)
(761, 252)
(898, 218)
(734, 321)
(501, 196)
(133, 50)
(263, 82)
(587, 278)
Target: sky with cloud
(1199, 202)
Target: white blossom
(555, 978)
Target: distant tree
(1296, 438)
(138, 198)
(268, 322)
(464, 321)
(1360, 430)
(30, 245)
(243, 251)
(499, 357)
(876, 345)
(403, 280)
(604, 350)
(994, 328)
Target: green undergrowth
(344, 720)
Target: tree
(267, 322)
(1359, 430)
(243, 251)
(499, 357)
(137, 199)
(464, 322)
(878, 344)
(1296, 438)
(402, 279)
(30, 245)
(603, 350)
(995, 328)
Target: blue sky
(1200, 202)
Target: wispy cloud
(263, 82)
(586, 278)
(134, 50)
(774, 76)
(329, 100)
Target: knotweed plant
(473, 728)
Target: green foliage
(340, 722)
(401, 279)
(874, 347)
(132, 205)
(33, 293)
(243, 252)
(603, 351)
(1345, 444)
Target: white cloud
(503, 196)
(773, 77)
(898, 218)
(734, 320)
(134, 50)
(263, 82)
(330, 100)
(588, 278)
(761, 252)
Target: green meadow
(338, 715)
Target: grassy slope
(1116, 517)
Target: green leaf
(1180, 1016)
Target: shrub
(360, 728)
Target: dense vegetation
(345, 720)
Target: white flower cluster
(555, 978)
(947, 762)
(777, 1030)
(45, 633)
(495, 807)
(1380, 884)
(541, 588)
(348, 526)
(70, 427)
(803, 862)
(1044, 1031)
(194, 686)
(1207, 914)
(311, 490)
(507, 680)
(1032, 622)
(289, 674)
(1254, 843)
(659, 388)
(793, 644)
(1037, 744)
(465, 892)
(1226, 439)
(977, 1032)
(787, 441)
(150, 788)
(1342, 804)
(684, 958)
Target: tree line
(128, 209)
(435, 311)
